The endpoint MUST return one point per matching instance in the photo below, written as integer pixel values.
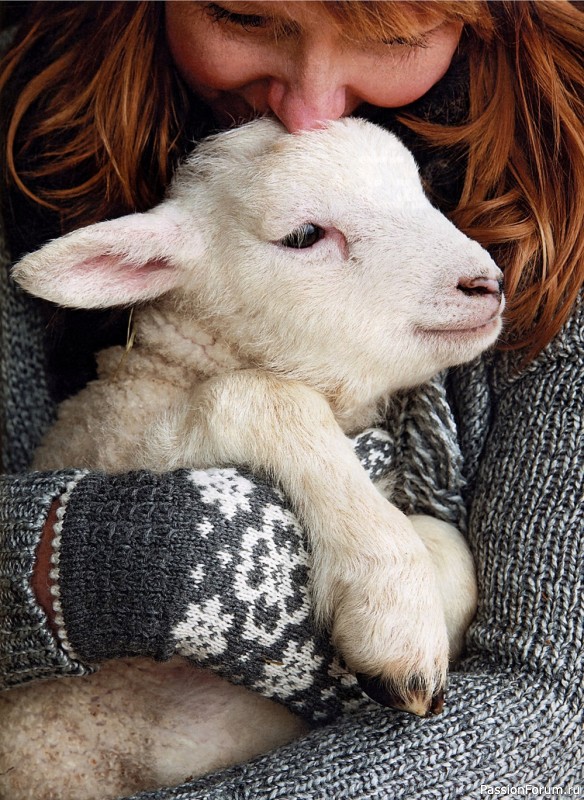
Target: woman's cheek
(403, 78)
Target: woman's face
(287, 58)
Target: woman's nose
(304, 108)
(314, 88)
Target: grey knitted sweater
(211, 564)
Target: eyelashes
(246, 21)
(303, 237)
(256, 23)
(422, 41)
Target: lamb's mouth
(461, 331)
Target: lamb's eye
(304, 236)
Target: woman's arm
(149, 564)
(514, 712)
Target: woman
(102, 99)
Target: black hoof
(386, 695)
(437, 705)
(379, 690)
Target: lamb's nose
(480, 286)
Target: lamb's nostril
(480, 286)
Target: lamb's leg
(372, 577)
(455, 574)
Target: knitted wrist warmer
(207, 564)
(127, 548)
(28, 649)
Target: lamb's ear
(117, 262)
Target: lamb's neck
(168, 336)
(184, 341)
(354, 415)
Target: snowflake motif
(225, 488)
(266, 579)
(357, 704)
(341, 676)
(293, 673)
(202, 633)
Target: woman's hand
(41, 582)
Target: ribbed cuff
(125, 552)
(28, 648)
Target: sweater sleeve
(210, 564)
(28, 649)
(514, 714)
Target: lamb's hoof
(385, 694)
(437, 704)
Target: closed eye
(255, 24)
(304, 236)
(245, 21)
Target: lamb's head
(316, 255)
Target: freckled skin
(304, 76)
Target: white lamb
(287, 286)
